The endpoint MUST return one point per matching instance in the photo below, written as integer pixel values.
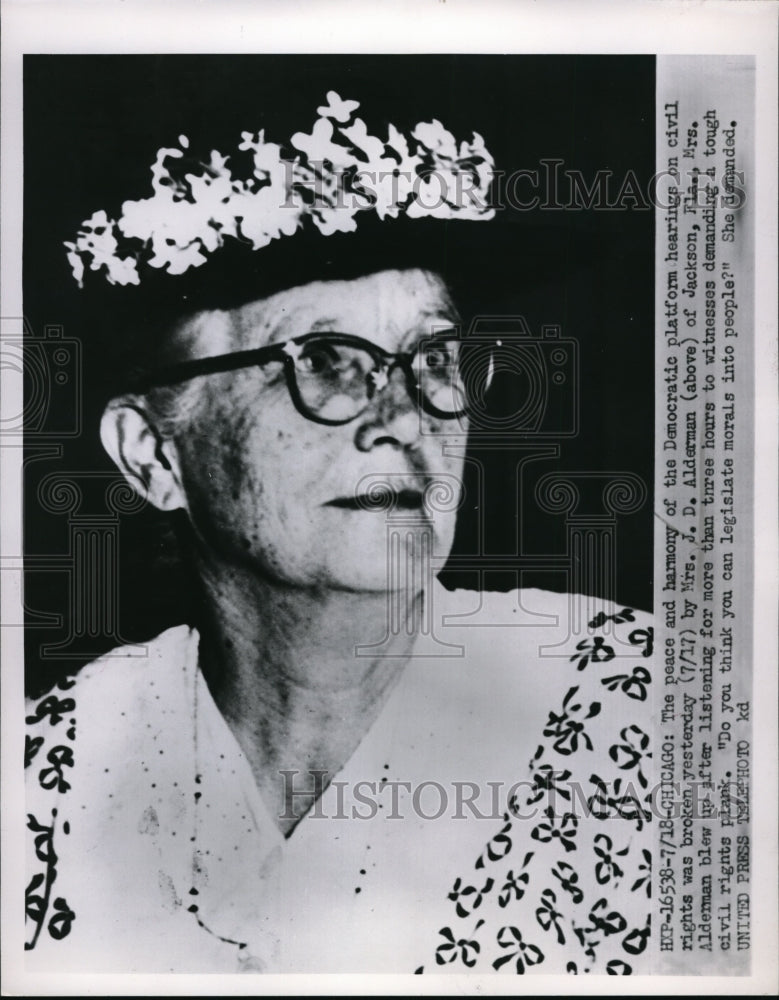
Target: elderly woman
(336, 770)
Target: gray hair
(174, 409)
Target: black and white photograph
(386, 477)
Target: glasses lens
(438, 369)
(332, 378)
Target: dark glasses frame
(384, 360)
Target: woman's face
(270, 490)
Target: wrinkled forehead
(390, 308)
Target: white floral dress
(496, 817)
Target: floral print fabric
(558, 879)
(578, 899)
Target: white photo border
(421, 26)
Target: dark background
(93, 125)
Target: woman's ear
(148, 463)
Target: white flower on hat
(337, 108)
(96, 244)
(336, 172)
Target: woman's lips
(380, 500)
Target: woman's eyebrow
(281, 332)
(434, 322)
(325, 323)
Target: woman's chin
(401, 558)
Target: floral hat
(333, 178)
(222, 227)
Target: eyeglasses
(333, 377)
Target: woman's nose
(392, 418)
